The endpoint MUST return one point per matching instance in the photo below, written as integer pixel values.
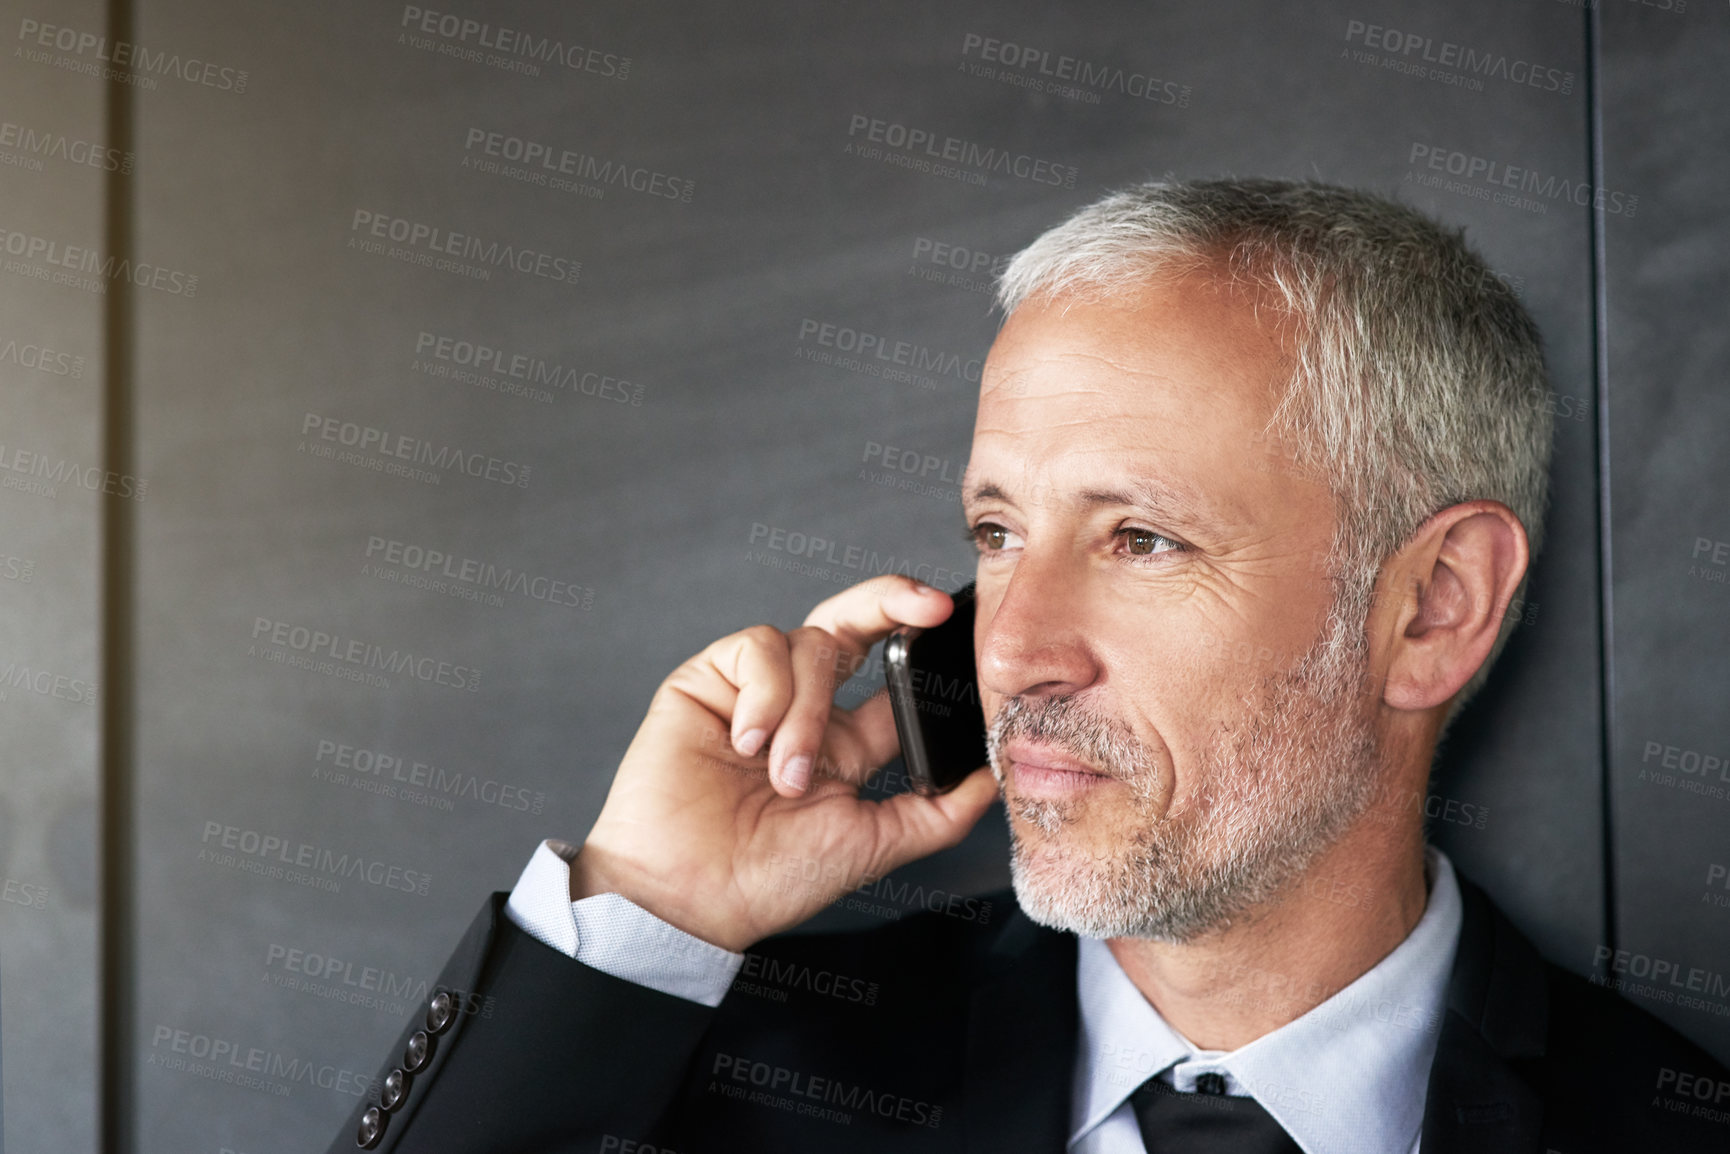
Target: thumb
(911, 827)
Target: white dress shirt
(1348, 1077)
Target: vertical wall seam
(117, 558)
(1601, 464)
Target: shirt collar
(1349, 1075)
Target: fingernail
(927, 590)
(797, 772)
(749, 742)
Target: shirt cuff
(610, 933)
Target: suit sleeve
(526, 1050)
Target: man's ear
(1446, 593)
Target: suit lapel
(1021, 1034)
(1498, 1009)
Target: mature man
(1257, 470)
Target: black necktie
(1210, 1122)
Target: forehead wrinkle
(1215, 357)
(1126, 394)
(1047, 426)
(1044, 359)
(1072, 389)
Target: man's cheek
(1241, 630)
(1230, 656)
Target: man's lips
(1040, 770)
(1041, 756)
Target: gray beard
(1272, 796)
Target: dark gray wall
(51, 476)
(1669, 513)
(692, 409)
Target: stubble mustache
(1104, 743)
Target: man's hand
(735, 813)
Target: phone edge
(902, 704)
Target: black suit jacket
(939, 1033)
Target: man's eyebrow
(985, 490)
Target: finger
(758, 663)
(910, 827)
(858, 617)
(859, 740)
(868, 612)
(799, 736)
(749, 666)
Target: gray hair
(1419, 379)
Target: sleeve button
(418, 1053)
(395, 1089)
(371, 1128)
(441, 1012)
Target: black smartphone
(934, 691)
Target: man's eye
(1146, 541)
(989, 536)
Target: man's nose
(1033, 641)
